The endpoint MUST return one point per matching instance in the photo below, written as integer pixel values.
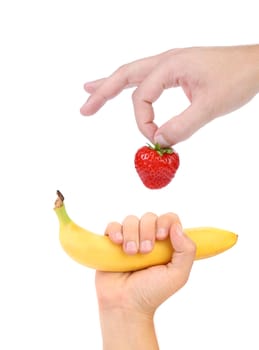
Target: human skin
(216, 80)
(128, 301)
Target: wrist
(127, 329)
(120, 301)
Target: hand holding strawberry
(156, 166)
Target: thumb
(182, 126)
(182, 259)
(165, 280)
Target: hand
(216, 80)
(127, 301)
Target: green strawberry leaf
(161, 150)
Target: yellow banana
(100, 253)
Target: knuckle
(122, 70)
(148, 215)
(130, 218)
(174, 217)
(111, 227)
(140, 100)
(133, 96)
(171, 218)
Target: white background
(48, 50)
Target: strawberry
(156, 166)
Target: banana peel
(100, 253)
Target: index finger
(143, 98)
(128, 75)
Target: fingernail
(178, 229)
(145, 246)
(161, 233)
(161, 140)
(131, 247)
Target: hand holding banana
(105, 254)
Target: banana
(100, 253)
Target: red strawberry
(156, 166)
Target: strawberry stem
(160, 150)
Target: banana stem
(59, 201)
(61, 210)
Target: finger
(164, 223)
(184, 125)
(147, 231)
(102, 94)
(128, 75)
(92, 86)
(144, 97)
(114, 231)
(182, 260)
(168, 279)
(130, 231)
